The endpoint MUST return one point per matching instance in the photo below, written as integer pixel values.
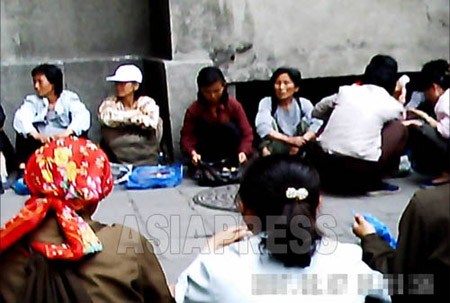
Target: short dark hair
(435, 71)
(382, 71)
(264, 190)
(293, 73)
(53, 74)
(208, 76)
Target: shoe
(404, 168)
(431, 184)
(383, 189)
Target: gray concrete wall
(67, 29)
(250, 38)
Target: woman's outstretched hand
(227, 237)
(361, 227)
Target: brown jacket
(126, 270)
(423, 246)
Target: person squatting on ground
(215, 126)
(429, 138)
(131, 127)
(49, 114)
(363, 138)
(279, 199)
(421, 260)
(283, 122)
(52, 250)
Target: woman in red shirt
(215, 126)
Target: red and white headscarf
(64, 175)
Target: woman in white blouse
(284, 121)
(131, 126)
(285, 258)
(51, 113)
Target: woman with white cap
(131, 126)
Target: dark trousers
(27, 145)
(429, 151)
(218, 141)
(348, 175)
(8, 152)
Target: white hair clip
(299, 194)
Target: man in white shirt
(49, 114)
(363, 139)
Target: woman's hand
(227, 237)
(293, 150)
(40, 137)
(297, 141)
(242, 157)
(361, 227)
(413, 122)
(417, 112)
(423, 115)
(195, 158)
(265, 151)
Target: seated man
(363, 138)
(49, 114)
(422, 257)
(131, 126)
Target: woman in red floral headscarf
(53, 251)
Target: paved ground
(178, 227)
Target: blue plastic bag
(381, 229)
(20, 187)
(161, 176)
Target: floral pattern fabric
(64, 175)
(145, 113)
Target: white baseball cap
(126, 73)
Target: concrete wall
(250, 38)
(67, 29)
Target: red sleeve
(238, 114)
(188, 140)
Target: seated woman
(421, 259)
(285, 253)
(284, 121)
(215, 126)
(429, 138)
(52, 250)
(8, 160)
(363, 138)
(49, 114)
(130, 124)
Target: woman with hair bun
(281, 254)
